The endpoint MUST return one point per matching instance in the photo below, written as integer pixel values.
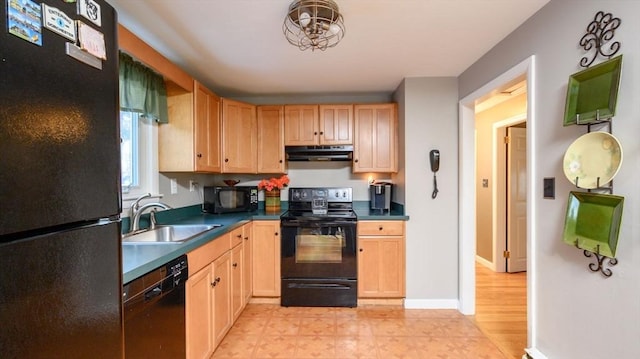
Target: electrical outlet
(174, 186)
(192, 185)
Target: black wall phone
(434, 158)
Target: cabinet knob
(246, 238)
(361, 250)
(380, 228)
(356, 160)
(322, 133)
(199, 155)
(218, 280)
(239, 236)
(234, 265)
(280, 161)
(315, 133)
(226, 160)
(213, 284)
(276, 233)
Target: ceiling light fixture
(313, 24)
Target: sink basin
(168, 234)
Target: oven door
(318, 249)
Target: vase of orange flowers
(272, 189)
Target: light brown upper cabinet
(306, 125)
(301, 125)
(336, 124)
(190, 142)
(239, 137)
(271, 139)
(375, 146)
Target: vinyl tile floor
(371, 332)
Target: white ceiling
(237, 48)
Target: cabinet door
(336, 124)
(271, 139)
(176, 142)
(199, 314)
(375, 147)
(222, 297)
(247, 285)
(207, 130)
(239, 137)
(237, 266)
(381, 267)
(266, 266)
(301, 125)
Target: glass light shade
(334, 29)
(304, 19)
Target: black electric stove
(319, 267)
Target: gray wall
(576, 313)
(429, 120)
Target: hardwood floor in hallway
(501, 309)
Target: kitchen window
(143, 103)
(129, 143)
(138, 154)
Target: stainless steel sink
(168, 234)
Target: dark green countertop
(139, 259)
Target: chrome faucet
(136, 211)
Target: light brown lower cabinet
(247, 273)
(199, 314)
(222, 316)
(266, 258)
(214, 292)
(237, 267)
(208, 307)
(381, 259)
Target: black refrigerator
(60, 201)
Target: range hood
(319, 153)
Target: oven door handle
(319, 285)
(316, 224)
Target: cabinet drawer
(236, 236)
(381, 228)
(202, 256)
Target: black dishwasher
(154, 312)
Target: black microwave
(230, 199)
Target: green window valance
(142, 90)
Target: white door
(517, 200)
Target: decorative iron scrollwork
(598, 266)
(600, 31)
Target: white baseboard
(431, 303)
(486, 263)
(534, 353)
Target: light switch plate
(549, 187)
(174, 185)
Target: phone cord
(435, 186)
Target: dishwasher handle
(154, 292)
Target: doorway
(467, 190)
(501, 178)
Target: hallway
(501, 309)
